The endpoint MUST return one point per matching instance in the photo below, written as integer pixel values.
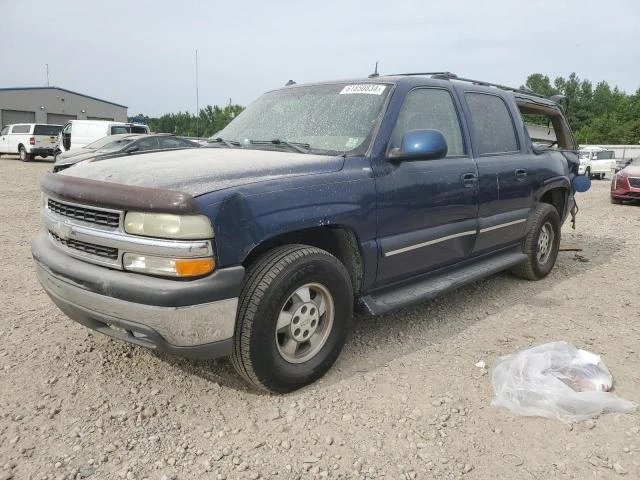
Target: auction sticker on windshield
(368, 88)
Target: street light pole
(197, 100)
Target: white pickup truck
(597, 162)
(29, 140)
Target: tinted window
(21, 129)
(4, 131)
(173, 142)
(47, 129)
(430, 108)
(492, 126)
(119, 129)
(606, 155)
(138, 129)
(149, 143)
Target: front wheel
(293, 318)
(24, 156)
(541, 244)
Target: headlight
(171, 267)
(166, 225)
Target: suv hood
(203, 170)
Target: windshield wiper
(228, 143)
(297, 146)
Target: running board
(392, 298)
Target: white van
(29, 140)
(597, 162)
(78, 133)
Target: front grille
(99, 250)
(634, 182)
(99, 217)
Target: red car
(625, 185)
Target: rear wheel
(541, 244)
(294, 315)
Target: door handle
(469, 179)
(521, 173)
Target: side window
(430, 108)
(4, 131)
(172, 142)
(21, 129)
(492, 126)
(149, 143)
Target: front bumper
(193, 318)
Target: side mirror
(420, 145)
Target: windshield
(327, 118)
(115, 145)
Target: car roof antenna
(375, 72)
(289, 83)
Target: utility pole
(197, 100)
(47, 67)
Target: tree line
(599, 114)
(211, 120)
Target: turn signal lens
(167, 267)
(194, 267)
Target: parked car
(78, 133)
(377, 193)
(625, 185)
(29, 140)
(122, 144)
(622, 162)
(597, 162)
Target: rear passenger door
(504, 177)
(426, 208)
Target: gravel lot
(405, 400)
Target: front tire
(294, 315)
(24, 156)
(541, 244)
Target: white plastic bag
(556, 380)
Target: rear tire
(541, 244)
(294, 315)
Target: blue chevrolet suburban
(373, 194)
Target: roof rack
(453, 76)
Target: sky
(143, 53)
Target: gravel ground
(405, 400)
